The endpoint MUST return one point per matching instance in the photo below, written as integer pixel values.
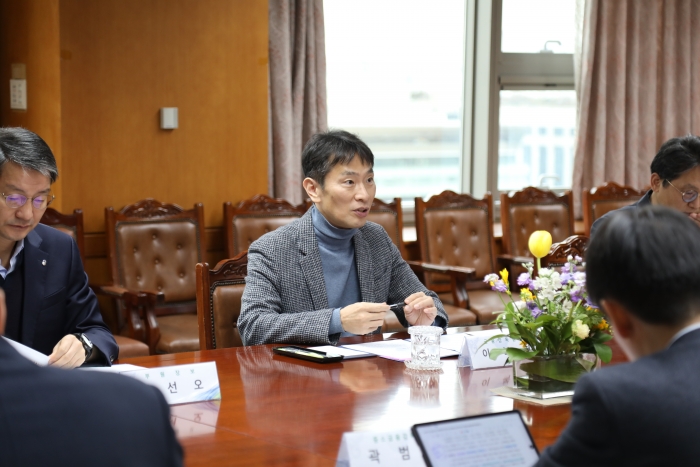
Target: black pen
(396, 306)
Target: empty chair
(389, 216)
(219, 293)
(153, 250)
(456, 230)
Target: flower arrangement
(553, 316)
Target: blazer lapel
(365, 268)
(310, 262)
(35, 273)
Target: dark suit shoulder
(51, 237)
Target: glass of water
(425, 347)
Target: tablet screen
(494, 440)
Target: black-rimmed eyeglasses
(15, 201)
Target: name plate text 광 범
(181, 384)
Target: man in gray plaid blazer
(331, 273)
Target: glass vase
(552, 376)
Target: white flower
(491, 278)
(579, 329)
(566, 306)
(520, 305)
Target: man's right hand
(363, 317)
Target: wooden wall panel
(121, 60)
(29, 34)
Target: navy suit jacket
(637, 414)
(643, 201)
(57, 298)
(51, 416)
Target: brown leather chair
(389, 216)
(72, 224)
(559, 252)
(252, 218)
(528, 210)
(456, 231)
(605, 198)
(153, 250)
(219, 293)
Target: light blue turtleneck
(339, 270)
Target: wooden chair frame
(141, 307)
(226, 272)
(610, 191)
(71, 221)
(394, 207)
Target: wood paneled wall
(121, 61)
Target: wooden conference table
(276, 410)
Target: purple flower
(577, 295)
(534, 309)
(524, 280)
(566, 278)
(499, 286)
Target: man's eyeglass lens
(17, 201)
(687, 196)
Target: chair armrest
(509, 260)
(113, 291)
(459, 276)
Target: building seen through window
(394, 77)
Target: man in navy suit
(50, 306)
(643, 269)
(54, 417)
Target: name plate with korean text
(365, 449)
(478, 355)
(181, 384)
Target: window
(394, 74)
(535, 77)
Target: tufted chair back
(252, 218)
(389, 216)
(531, 209)
(456, 230)
(605, 198)
(219, 293)
(154, 247)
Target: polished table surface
(276, 410)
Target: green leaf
(568, 370)
(603, 351)
(495, 353)
(497, 336)
(515, 354)
(542, 319)
(601, 337)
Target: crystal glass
(425, 348)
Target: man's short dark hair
(27, 150)
(676, 156)
(648, 260)
(325, 150)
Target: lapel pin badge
(43, 262)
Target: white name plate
(478, 355)
(365, 449)
(181, 384)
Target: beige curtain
(297, 89)
(639, 85)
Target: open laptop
(493, 440)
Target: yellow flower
(504, 275)
(540, 242)
(523, 344)
(603, 325)
(526, 295)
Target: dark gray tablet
(493, 440)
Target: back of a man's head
(676, 156)
(648, 260)
(28, 150)
(324, 151)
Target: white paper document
(30, 354)
(345, 352)
(114, 368)
(453, 341)
(393, 349)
